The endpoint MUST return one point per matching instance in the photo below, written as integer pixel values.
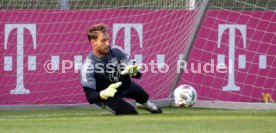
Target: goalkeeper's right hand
(110, 90)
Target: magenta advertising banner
(245, 42)
(41, 52)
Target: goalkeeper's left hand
(132, 70)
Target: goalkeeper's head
(99, 39)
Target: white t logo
(20, 52)
(231, 86)
(127, 38)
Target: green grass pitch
(174, 120)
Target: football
(185, 96)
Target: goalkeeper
(106, 79)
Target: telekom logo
(127, 37)
(20, 89)
(138, 27)
(231, 85)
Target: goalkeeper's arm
(132, 70)
(94, 96)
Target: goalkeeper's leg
(136, 92)
(118, 106)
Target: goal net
(233, 57)
(44, 44)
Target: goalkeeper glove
(131, 70)
(110, 90)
